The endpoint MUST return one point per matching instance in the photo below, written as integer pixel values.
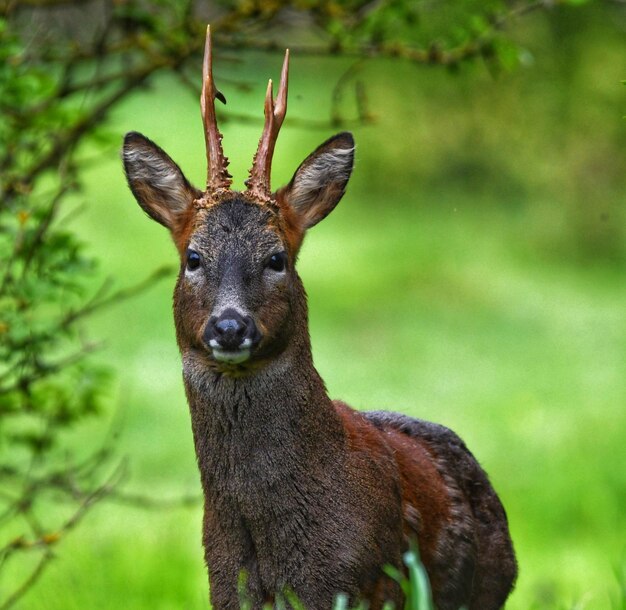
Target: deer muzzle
(231, 336)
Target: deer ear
(320, 181)
(157, 183)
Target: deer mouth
(231, 356)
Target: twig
(99, 301)
(44, 225)
(30, 581)
(338, 90)
(44, 541)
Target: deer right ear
(157, 183)
(320, 181)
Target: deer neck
(274, 422)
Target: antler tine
(258, 182)
(280, 108)
(217, 174)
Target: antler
(258, 182)
(217, 174)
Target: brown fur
(303, 493)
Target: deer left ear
(157, 182)
(320, 181)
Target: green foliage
(414, 584)
(421, 300)
(46, 386)
(56, 92)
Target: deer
(301, 493)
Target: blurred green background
(473, 275)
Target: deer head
(237, 292)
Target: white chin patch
(234, 357)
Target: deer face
(237, 272)
(237, 282)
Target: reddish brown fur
(292, 228)
(183, 230)
(423, 491)
(425, 497)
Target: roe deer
(301, 492)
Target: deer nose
(230, 331)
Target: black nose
(231, 331)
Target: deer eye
(193, 260)
(278, 261)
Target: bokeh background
(473, 275)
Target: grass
(454, 302)
(414, 584)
